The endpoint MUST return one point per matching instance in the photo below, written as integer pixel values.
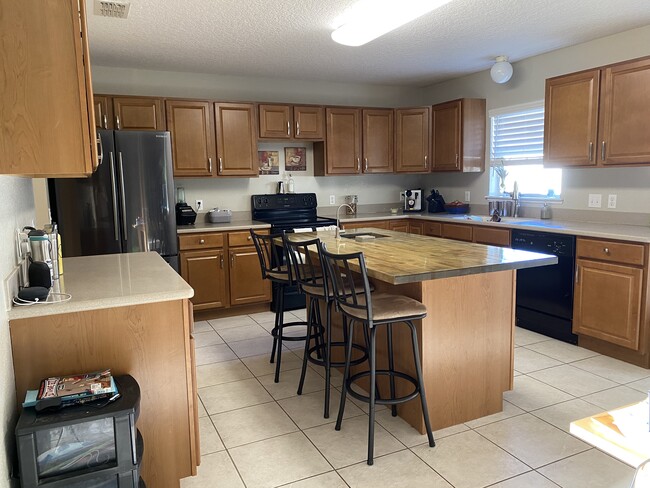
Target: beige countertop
(635, 233)
(108, 281)
(233, 225)
(408, 258)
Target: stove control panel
(284, 201)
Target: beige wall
(632, 185)
(16, 211)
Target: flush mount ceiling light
(368, 19)
(501, 72)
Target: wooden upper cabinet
(309, 122)
(343, 143)
(624, 108)
(191, 124)
(412, 140)
(459, 135)
(47, 123)
(571, 119)
(275, 121)
(138, 113)
(236, 141)
(103, 112)
(378, 136)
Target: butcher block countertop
(408, 258)
(110, 280)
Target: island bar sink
(362, 234)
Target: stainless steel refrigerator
(127, 205)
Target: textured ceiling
(291, 39)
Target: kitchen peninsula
(467, 338)
(130, 313)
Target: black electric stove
(289, 212)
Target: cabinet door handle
(606, 250)
(221, 260)
(358, 165)
(297, 127)
(220, 165)
(117, 122)
(577, 275)
(456, 159)
(366, 161)
(105, 121)
(210, 165)
(288, 128)
(426, 163)
(201, 241)
(249, 238)
(232, 260)
(591, 151)
(602, 151)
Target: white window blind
(517, 136)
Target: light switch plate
(595, 200)
(332, 199)
(467, 195)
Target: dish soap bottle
(291, 184)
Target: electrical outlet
(332, 199)
(595, 200)
(611, 201)
(199, 205)
(467, 195)
(401, 196)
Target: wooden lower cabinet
(416, 227)
(460, 232)
(432, 229)
(205, 272)
(223, 269)
(246, 283)
(399, 225)
(491, 236)
(377, 224)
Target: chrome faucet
(338, 219)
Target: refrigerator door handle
(123, 194)
(116, 225)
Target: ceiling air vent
(118, 10)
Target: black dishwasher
(545, 294)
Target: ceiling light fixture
(501, 72)
(368, 19)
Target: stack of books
(64, 391)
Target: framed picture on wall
(269, 162)
(295, 158)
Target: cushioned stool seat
(387, 308)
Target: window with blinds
(518, 136)
(517, 144)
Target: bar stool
(308, 271)
(271, 254)
(372, 311)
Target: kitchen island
(467, 338)
(130, 313)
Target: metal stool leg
(279, 336)
(346, 372)
(310, 326)
(418, 369)
(328, 357)
(391, 367)
(371, 415)
(276, 290)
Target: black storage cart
(90, 446)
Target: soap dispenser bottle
(291, 185)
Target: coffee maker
(413, 200)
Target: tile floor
(256, 433)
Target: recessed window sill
(527, 199)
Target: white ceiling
(291, 39)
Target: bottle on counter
(546, 212)
(290, 185)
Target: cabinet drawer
(243, 238)
(492, 237)
(433, 229)
(200, 241)
(612, 251)
(460, 232)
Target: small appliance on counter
(436, 202)
(217, 216)
(352, 201)
(546, 212)
(413, 200)
(185, 215)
